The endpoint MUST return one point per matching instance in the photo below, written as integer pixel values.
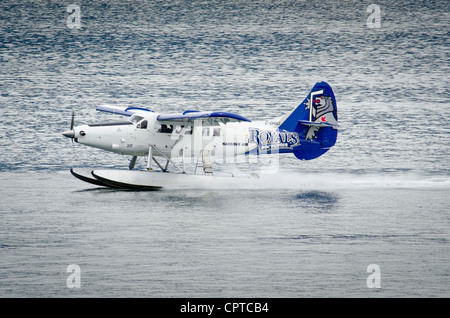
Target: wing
(121, 110)
(206, 117)
(211, 117)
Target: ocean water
(380, 196)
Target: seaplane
(167, 141)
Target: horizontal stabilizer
(192, 115)
(121, 110)
(319, 124)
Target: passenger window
(216, 132)
(205, 131)
(166, 129)
(179, 129)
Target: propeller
(71, 133)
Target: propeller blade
(71, 133)
(72, 122)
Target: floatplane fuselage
(308, 131)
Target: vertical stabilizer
(316, 122)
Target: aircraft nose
(69, 133)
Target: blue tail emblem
(315, 121)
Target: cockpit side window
(142, 125)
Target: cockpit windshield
(135, 118)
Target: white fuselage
(141, 134)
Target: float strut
(150, 157)
(132, 163)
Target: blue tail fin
(316, 122)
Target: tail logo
(321, 109)
(321, 106)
